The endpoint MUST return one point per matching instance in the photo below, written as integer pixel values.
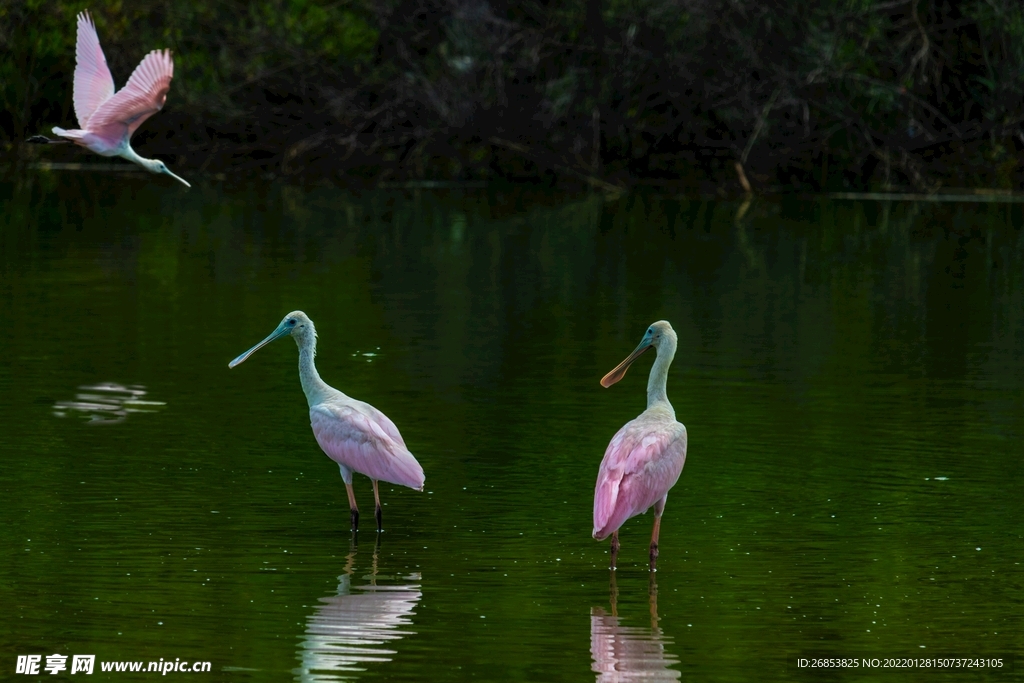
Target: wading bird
(353, 434)
(109, 120)
(646, 456)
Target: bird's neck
(657, 394)
(316, 389)
(133, 156)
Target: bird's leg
(43, 140)
(654, 544)
(376, 498)
(659, 508)
(615, 548)
(352, 506)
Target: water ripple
(107, 403)
(630, 653)
(348, 629)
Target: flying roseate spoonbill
(353, 434)
(646, 456)
(107, 119)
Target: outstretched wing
(93, 83)
(143, 96)
(637, 471)
(352, 438)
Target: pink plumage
(118, 117)
(354, 434)
(107, 120)
(645, 458)
(351, 437)
(93, 83)
(642, 462)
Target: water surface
(850, 375)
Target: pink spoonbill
(352, 433)
(645, 457)
(108, 119)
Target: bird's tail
(69, 134)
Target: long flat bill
(620, 370)
(179, 178)
(279, 332)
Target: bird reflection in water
(357, 626)
(629, 653)
(107, 403)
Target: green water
(851, 377)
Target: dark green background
(850, 376)
(809, 95)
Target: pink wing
(350, 437)
(145, 94)
(637, 471)
(93, 82)
(382, 420)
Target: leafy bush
(815, 94)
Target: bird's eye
(650, 330)
(292, 321)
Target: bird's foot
(355, 519)
(43, 140)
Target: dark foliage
(816, 94)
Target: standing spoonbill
(109, 120)
(353, 434)
(645, 457)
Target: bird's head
(297, 324)
(157, 166)
(657, 334)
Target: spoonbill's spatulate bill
(353, 434)
(645, 457)
(107, 119)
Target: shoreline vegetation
(704, 96)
